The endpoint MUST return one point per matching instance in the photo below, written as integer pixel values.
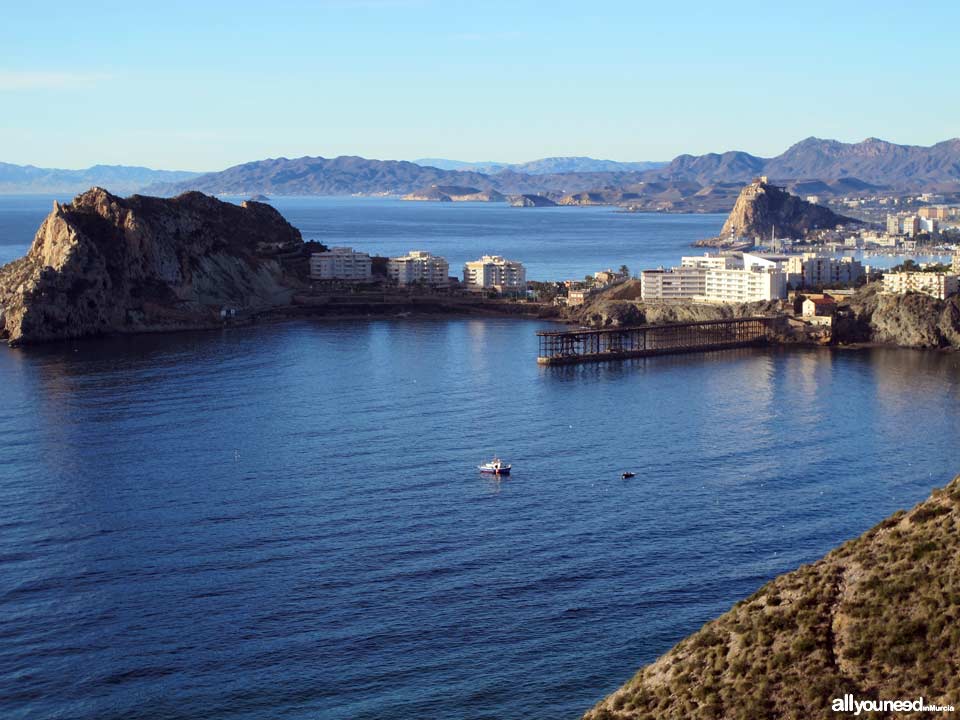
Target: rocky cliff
(911, 320)
(530, 201)
(103, 264)
(455, 193)
(762, 208)
(876, 617)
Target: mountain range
(119, 178)
(544, 166)
(687, 183)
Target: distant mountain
(687, 184)
(345, 175)
(545, 166)
(872, 162)
(119, 179)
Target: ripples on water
(286, 521)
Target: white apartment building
(340, 263)
(725, 285)
(674, 284)
(814, 270)
(493, 272)
(746, 285)
(419, 266)
(711, 262)
(938, 285)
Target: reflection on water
(289, 519)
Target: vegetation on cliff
(876, 617)
(103, 264)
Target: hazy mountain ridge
(118, 178)
(825, 166)
(545, 166)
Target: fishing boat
(495, 467)
(626, 475)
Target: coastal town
(813, 273)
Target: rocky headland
(869, 316)
(455, 193)
(103, 264)
(530, 201)
(763, 208)
(877, 617)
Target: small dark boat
(627, 475)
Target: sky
(204, 85)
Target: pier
(576, 346)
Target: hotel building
(493, 272)
(938, 285)
(340, 263)
(419, 266)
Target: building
(894, 225)
(819, 306)
(680, 283)
(740, 285)
(955, 265)
(712, 262)
(493, 272)
(341, 263)
(419, 267)
(609, 277)
(815, 270)
(929, 225)
(938, 285)
(578, 296)
(911, 225)
(725, 285)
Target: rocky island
(876, 618)
(103, 264)
(455, 193)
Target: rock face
(876, 617)
(530, 201)
(103, 264)
(911, 320)
(455, 193)
(762, 207)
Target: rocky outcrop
(530, 201)
(912, 320)
(455, 193)
(620, 306)
(103, 264)
(763, 208)
(876, 618)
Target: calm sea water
(285, 521)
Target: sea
(286, 520)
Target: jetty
(577, 346)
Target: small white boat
(495, 467)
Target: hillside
(116, 178)
(545, 166)
(762, 208)
(104, 264)
(872, 161)
(876, 617)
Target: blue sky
(204, 85)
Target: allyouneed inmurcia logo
(849, 704)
